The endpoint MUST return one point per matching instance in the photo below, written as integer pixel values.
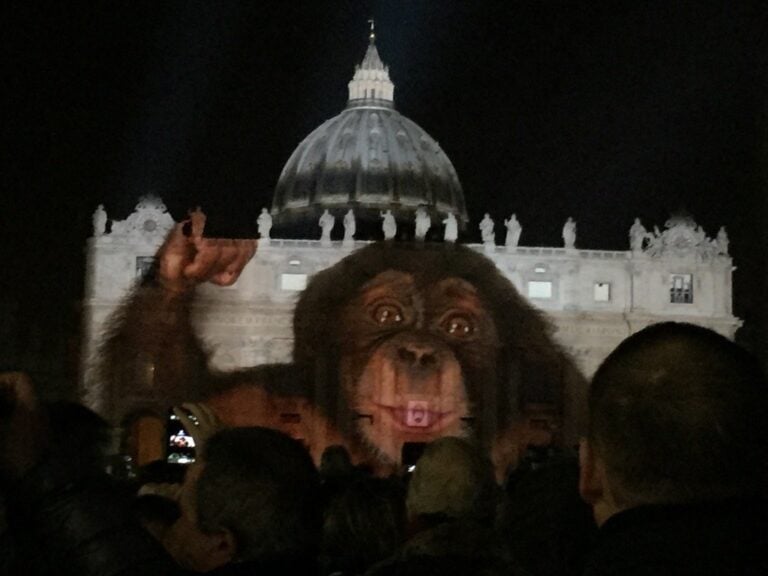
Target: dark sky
(547, 109)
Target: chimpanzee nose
(417, 355)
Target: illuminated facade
(369, 159)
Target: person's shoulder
(701, 538)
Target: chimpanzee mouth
(416, 416)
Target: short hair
(679, 413)
(262, 486)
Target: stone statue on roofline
(722, 241)
(638, 236)
(150, 220)
(451, 228)
(423, 223)
(514, 230)
(655, 243)
(264, 223)
(683, 238)
(350, 227)
(99, 221)
(389, 225)
(327, 222)
(486, 231)
(569, 233)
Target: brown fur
(510, 362)
(339, 351)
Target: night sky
(546, 109)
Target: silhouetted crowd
(670, 478)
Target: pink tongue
(417, 415)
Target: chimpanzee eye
(459, 325)
(387, 314)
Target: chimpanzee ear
(591, 475)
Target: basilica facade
(370, 173)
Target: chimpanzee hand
(23, 426)
(187, 260)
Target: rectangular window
(681, 291)
(602, 292)
(293, 282)
(144, 265)
(539, 289)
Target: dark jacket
(63, 521)
(729, 537)
(279, 565)
(451, 547)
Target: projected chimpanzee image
(395, 344)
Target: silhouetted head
(253, 494)
(455, 479)
(677, 413)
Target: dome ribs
(370, 158)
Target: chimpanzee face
(412, 351)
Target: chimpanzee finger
(174, 255)
(225, 268)
(242, 252)
(229, 251)
(246, 251)
(206, 260)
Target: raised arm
(151, 342)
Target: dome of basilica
(369, 158)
